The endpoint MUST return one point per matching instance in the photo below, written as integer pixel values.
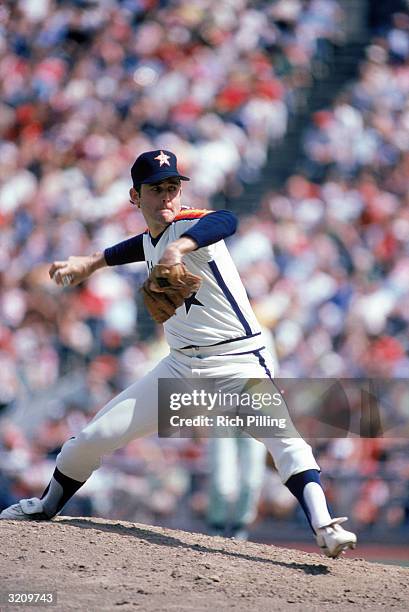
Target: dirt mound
(95, 564)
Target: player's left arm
(208, 230)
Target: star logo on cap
(163, 159)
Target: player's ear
(134, 196)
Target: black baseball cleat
(25, 510)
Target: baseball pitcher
(195, 290)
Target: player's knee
(78, 458)
(76, 448)
(291, 456)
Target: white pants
(134, 414)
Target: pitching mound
(95, 564)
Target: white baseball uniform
(214, 334)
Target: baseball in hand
(67, 280)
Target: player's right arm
(77, 269)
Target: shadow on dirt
(166, 540)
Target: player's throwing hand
(75, 269)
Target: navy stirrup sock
(60, 489)
(315, 507)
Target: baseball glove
(167, 288)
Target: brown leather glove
(167, 288)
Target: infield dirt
(100, 565)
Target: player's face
(159, 203)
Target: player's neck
(155, 229)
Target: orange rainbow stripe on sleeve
(188, 213)
(192, 213)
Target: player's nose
(167, 196)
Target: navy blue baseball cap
(155, 166)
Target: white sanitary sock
(316, 503)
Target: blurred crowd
(326, 263)
(84, 87)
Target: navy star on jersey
(192, 301)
